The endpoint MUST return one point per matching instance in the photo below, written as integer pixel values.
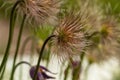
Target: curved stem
(48, 57)
(24, 45)
(40, 55)
(22, 62)
(27, 40)
(11, 31)
(18, 45)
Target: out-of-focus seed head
(40, 11)
(108, 45)
(109, 28)
(105, 25)
(93, 12)
(70, 40)
(110, 32)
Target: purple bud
(41, 75)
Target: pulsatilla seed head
(108, 46)
(40, 11)
(69, 40)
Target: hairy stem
(22, 62)
(40, 55)
(1, 77)
(77, 71)
(27, 40)
(18, 45)
(11, 31)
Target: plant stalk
(11, 31)
(18, 45)
(40, 55)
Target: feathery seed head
(40, 11)
(69, 40)
(108, 45)
(109, 28)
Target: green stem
(24, 45)
(32, 48)
(77, 71)
(48, 57)
(86, 70)
(11, 31)
(82, 57)
(18, 45)
(66, 72)
(27, 40)
(40, 55)
(1, 77)
(22, 62)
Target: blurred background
(107, 70)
